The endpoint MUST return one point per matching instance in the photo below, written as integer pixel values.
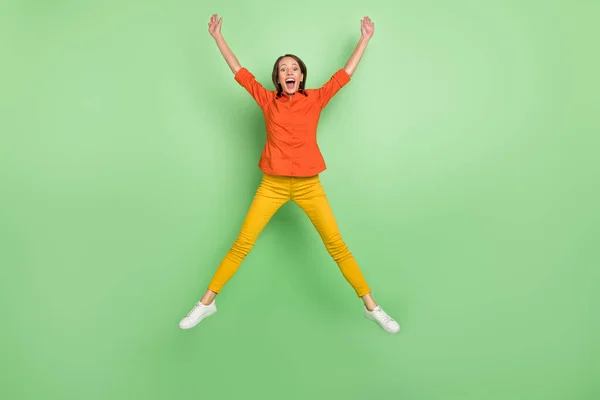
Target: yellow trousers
(308, 193)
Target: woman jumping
(291, 163)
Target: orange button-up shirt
(291, 122)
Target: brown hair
(275, 75)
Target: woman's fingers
(367, 26)
(214, 24)
(214, 20)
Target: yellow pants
(272, 193)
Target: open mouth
(290, 83)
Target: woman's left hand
(367, 27)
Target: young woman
(291, 162)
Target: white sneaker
(383, 320)
(198, 313)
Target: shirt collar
(284, 95)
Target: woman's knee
(337, 247)
(243, 244)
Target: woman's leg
(270, 196)
(310, 196)
(272, 193)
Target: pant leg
(270, 196)
(310, 196)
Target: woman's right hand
(214, 26)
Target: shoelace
(194, 310)
(384, 317)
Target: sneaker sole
(374, 320)
(200, 320)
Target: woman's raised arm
(367, 28)
(214, 28)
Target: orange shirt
(291, 147)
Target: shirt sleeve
(249, 82)
(332, 86)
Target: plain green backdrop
(462, 170)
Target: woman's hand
(214, 26)
(367, 28)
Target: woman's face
(290, 75)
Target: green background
(462, 169)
